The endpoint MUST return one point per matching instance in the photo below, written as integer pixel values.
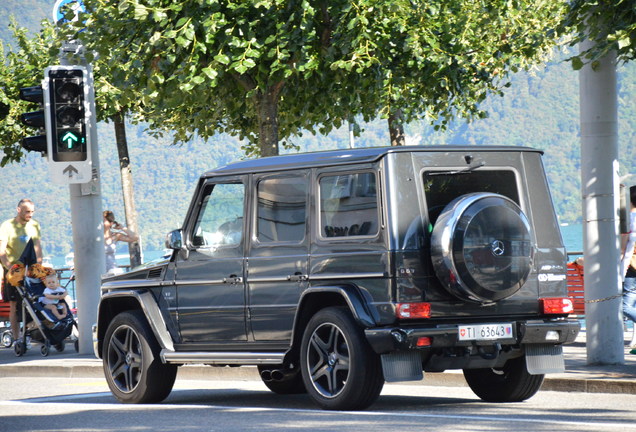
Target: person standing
(115, 232)
(15, 233)
(628, 265)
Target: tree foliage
(267, 70)
(440, 59)
(21, 66)
(611, 24)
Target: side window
(220, 220)
(348, 205)
(281, 209)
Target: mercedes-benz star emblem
(497, 248)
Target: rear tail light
(557, 305)
(413, 310)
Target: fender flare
(145, 302)
(352, 295)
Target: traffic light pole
(86, 217)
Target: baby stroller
(38, 323)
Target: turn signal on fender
(557, 305)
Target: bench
(576, 287)
(4, 310)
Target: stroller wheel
(7, 339)
(59, 346)
(76, 345)
(19, 348)
(44, 350)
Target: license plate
(485, 332)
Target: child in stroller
(52, 295)
(46, 324)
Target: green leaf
(577, 63)
(222, 58)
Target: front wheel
(511, 383)
(339, 368)
(133, 369)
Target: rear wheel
(339, 368)
(511, 383)
(133, 369)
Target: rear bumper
(398, 338)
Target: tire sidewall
(364, 365)
(143, 391)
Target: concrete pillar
(600, 191)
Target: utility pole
(86, 219)
(601, 203)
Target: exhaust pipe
(278, 375)
(266, 375)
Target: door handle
(297, 277)
(233, 279)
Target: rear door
(278, 258)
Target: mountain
(540, 109)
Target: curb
(93, 369)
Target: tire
(339, 368)
(511, 383)
(292, 383)
(7, 339)
(481, 247)
(19, 348)
(133, 369)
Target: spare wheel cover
(481, 247)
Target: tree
(20, 67)
(249, 68)
(611, 24)
(439, 60)
(266, 70)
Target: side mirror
(174, 240)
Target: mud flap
(543, 359)
(402, 366)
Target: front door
(210, 280)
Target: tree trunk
(125, 170)
(396, 129)
(267, 106)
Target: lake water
(572, 237)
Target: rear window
(441, 187)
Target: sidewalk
(578, 377)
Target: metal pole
(86, 218)
(600, 191)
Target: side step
(222, 358)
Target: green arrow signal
(69, 139)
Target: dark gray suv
(334, 272)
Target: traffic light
(68, 113)
(34, 119)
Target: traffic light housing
(68, 113)
(34, 119)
